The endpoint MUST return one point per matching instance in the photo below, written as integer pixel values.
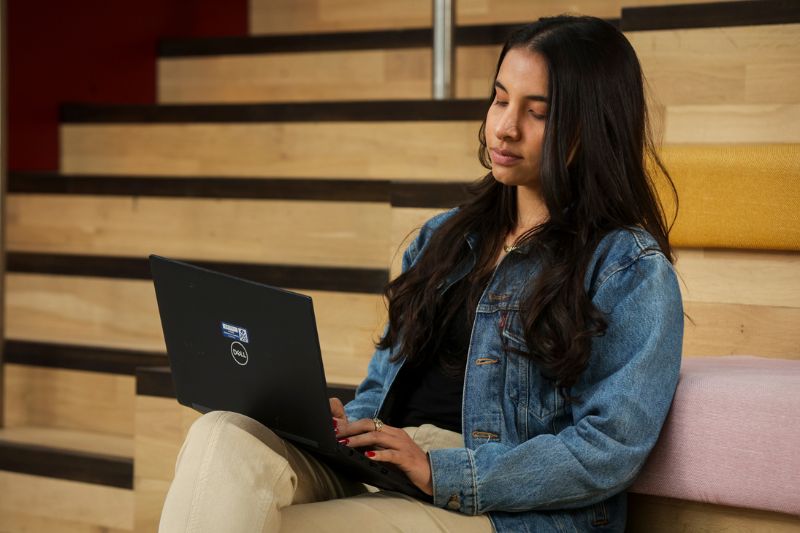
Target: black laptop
(237, 345)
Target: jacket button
(453, 503)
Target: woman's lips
(504, 159)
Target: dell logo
(239, 353)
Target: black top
(431, 392)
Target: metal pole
(444, 64)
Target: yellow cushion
(734, 195)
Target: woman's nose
(507, 128)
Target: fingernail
(344, 441)
(369, 454)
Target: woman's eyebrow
(534, 97)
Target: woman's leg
(233, 474)
(385, 510)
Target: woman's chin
(506, 177)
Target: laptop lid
(243, 346)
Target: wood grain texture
(733, 123)
(70, 439)
(123, 314)
(257, 231)
(73, 400)
(19, 521)
(322, 76)
(738, 329)
(294, 77)
(735, 65)
(78, 506)
(380, 150)
(650, 514)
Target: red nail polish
(369, 454)
(344, 441)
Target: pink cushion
(732, 436)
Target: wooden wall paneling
(83, 310)
(731, 65)
(60, 502)
(294, 77)
(733, 123)
(18, 520)
(406, 222)
(740, 277)
(739, 329)
(311, 16)
(264, 231)
(475, 66)
(441, 150)
(70, 439)
(649, 514)
(69, 399)
(123, 313)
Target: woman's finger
(337, 408)
(364, 425)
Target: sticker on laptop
(234, 332)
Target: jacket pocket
(527, 387)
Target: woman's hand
(396, 446)
(339, 416)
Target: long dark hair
(597, 109)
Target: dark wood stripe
(308, 42)
(362, 111)
(74, 357)
(440, 194)
(325, 190)
(338, 279)
(157, 381)
(398, 193)
(66, 464)
(711, 14)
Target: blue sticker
(235, 332)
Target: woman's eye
(498, 102)
(537, 116)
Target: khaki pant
(235, 475)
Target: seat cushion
(732, 436)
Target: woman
(534, 335)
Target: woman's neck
(531, 209)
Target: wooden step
(86, 456)
(363, 140)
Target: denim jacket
(533, 461)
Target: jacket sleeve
(623, 399)
(369, 393)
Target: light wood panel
(740, 277)
(123, 314)
(732, 65)
(294, 77)
(323, 76)
(648, 514)
(747, 123)
(299, 16)
(379, 150)
(351, 234)
(734, 329)
(70, 439)
(30, 502)
(21, 522)
(70, 399)
(314, 16)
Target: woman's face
(516, 119)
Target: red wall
(92, 51)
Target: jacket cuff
(453, 479)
